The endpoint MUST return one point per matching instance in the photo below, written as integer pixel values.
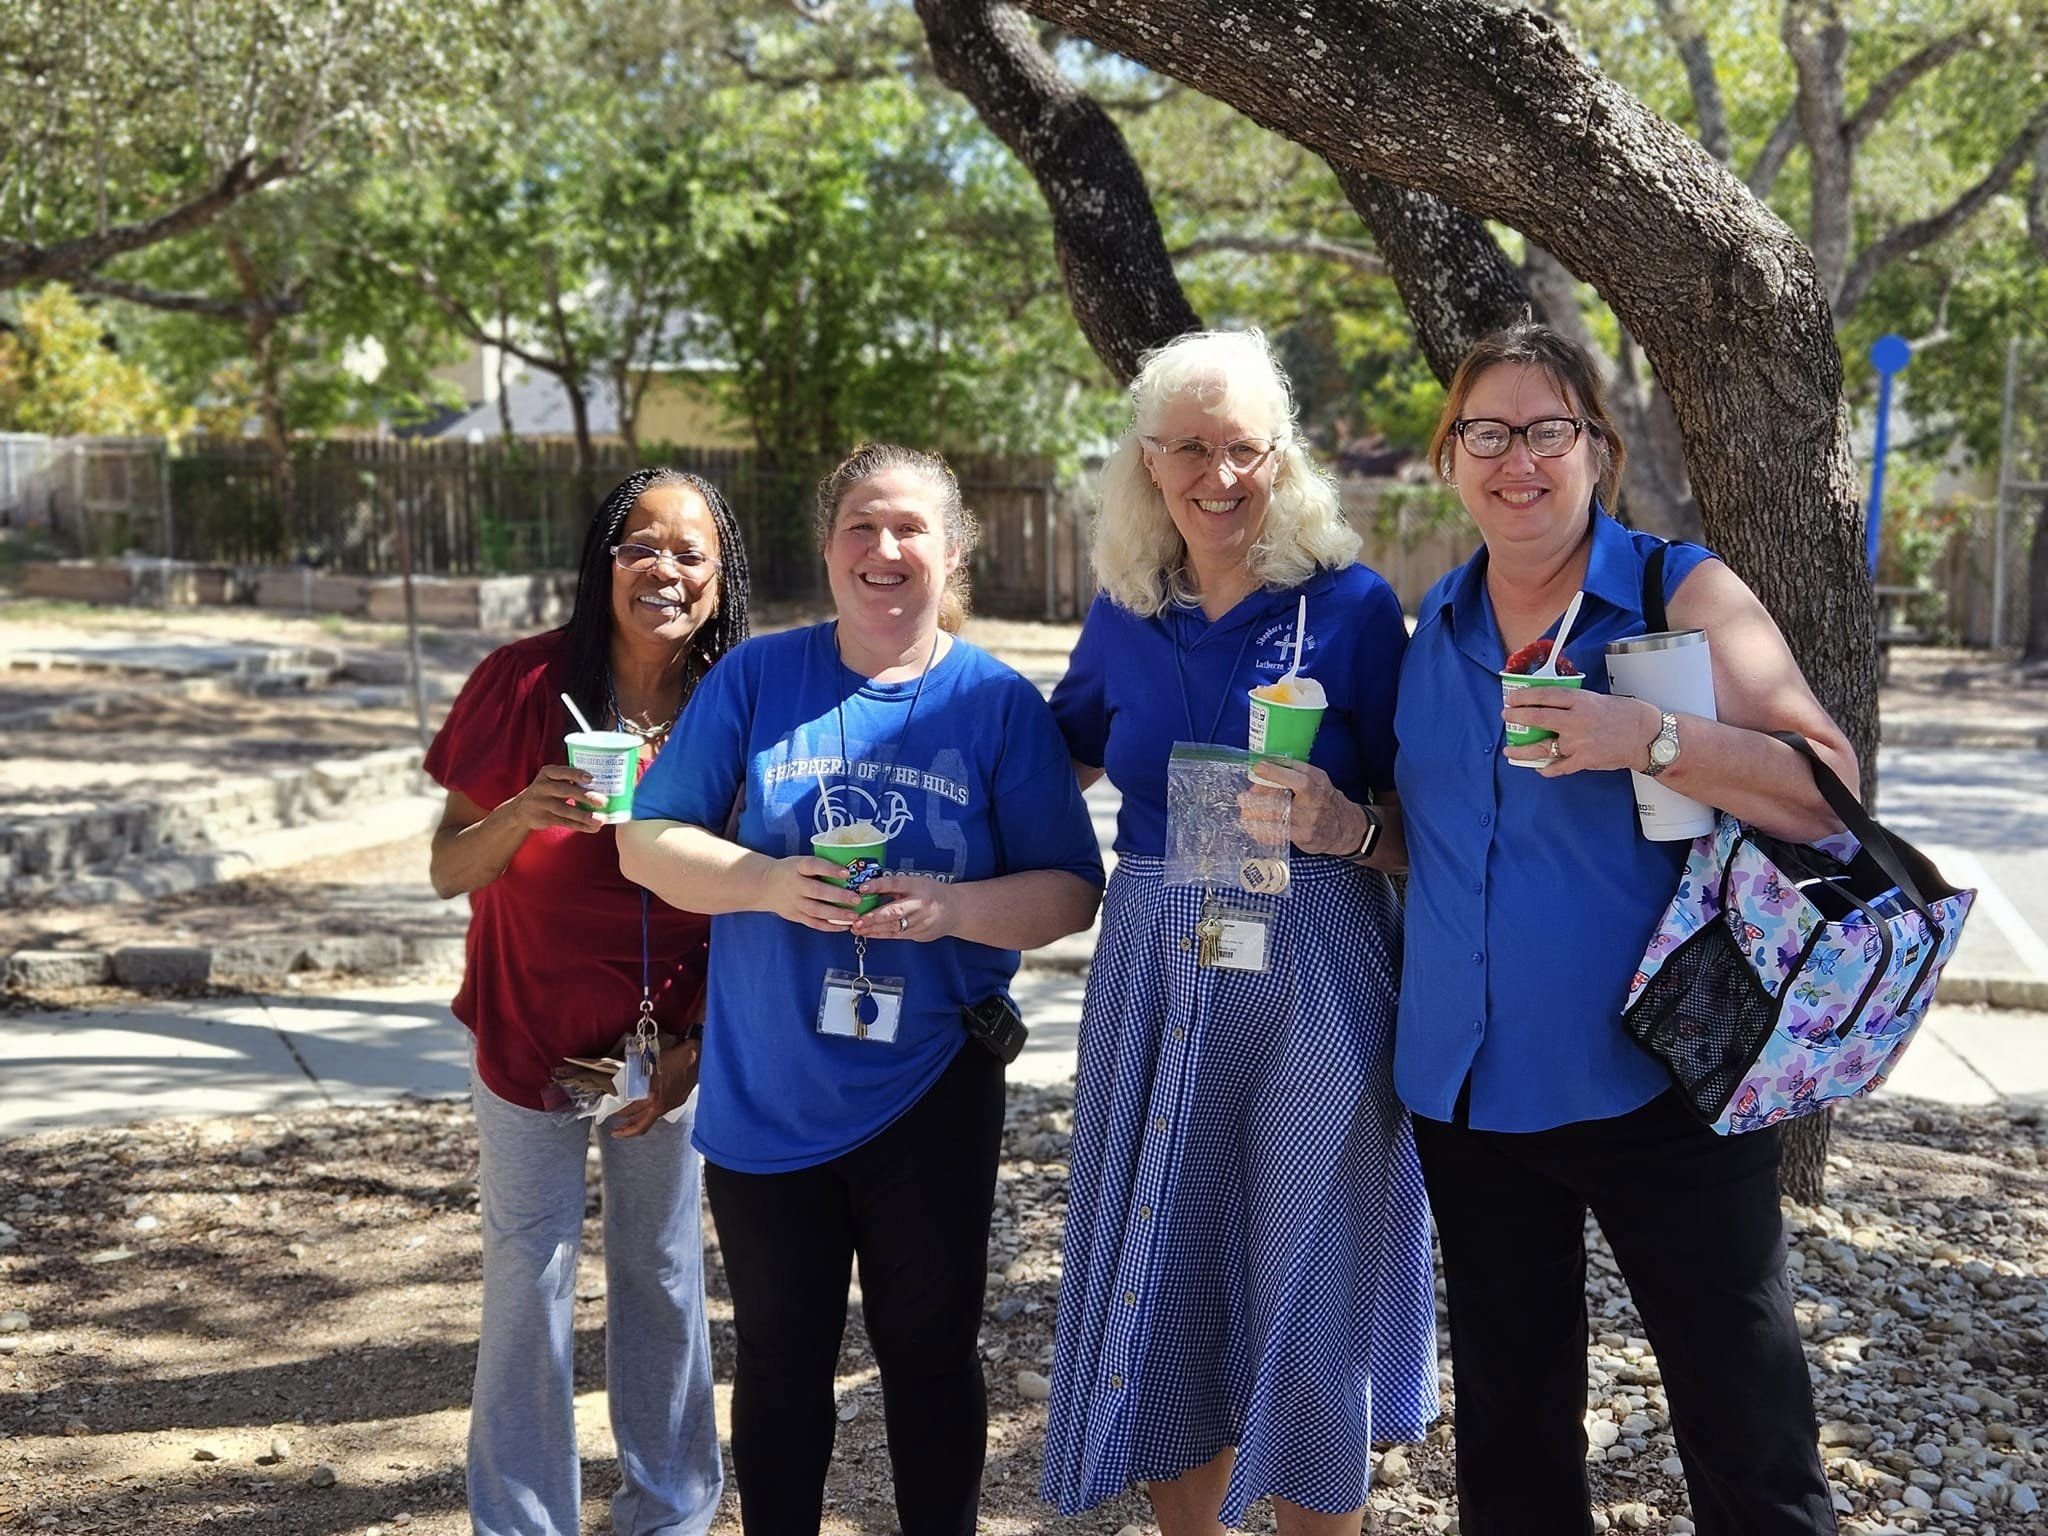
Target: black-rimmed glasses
(695, 565)
(1197, 455)
(1548, 437)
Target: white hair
(1140, 558)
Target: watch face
(1663, 751)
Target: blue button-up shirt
(1529, 899)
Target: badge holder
(1232, 840)
(858, 1006)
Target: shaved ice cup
(612, 759)
(861, 850)
(1283, 729)
(1527, 735)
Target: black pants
(914, 1204)
(1694, 1224)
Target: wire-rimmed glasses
(695, 565)
(1196, 456)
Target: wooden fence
(490, 508)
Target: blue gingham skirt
(1247, 1243)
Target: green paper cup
(1525, 735)
(612, 759)
(860, 850)
(1284, 730)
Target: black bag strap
(1877, 843)
(1654, 620)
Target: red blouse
(553, 953)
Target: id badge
(639, 1070)
(1238, 942)
(861, 1007)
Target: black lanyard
(1180, 669)
(839, 709)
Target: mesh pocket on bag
(1706, 1017)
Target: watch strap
(1371, 839)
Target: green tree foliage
(59, 376)
(125, 123)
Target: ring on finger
(902, 922)
(1554, 753)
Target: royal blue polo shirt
(1135, 686)
(1529, 899)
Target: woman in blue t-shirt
(1246, 1302)
(845, 1110)
(1530, 899)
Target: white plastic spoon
(1300, 634)
(576, 714)
(1564, 629)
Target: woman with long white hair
(1246, 1303)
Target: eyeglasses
(1195, 456)
(1550, 437)
(695, 565)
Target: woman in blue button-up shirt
(1532, 895)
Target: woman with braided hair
(561, 949)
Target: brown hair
(1566, 364)
(870, 461)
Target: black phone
(996, 1025)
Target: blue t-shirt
(1529, 899)
(1135, 686)
(979, 786)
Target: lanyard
(1180, 668)
(839, 709)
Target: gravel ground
(266, 1325)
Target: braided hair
(590, 622)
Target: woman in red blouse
(555, 954)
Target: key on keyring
(1209, 940)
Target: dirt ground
(266, 1325)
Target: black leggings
(913, 1204)
(1694, 1224)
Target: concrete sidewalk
(151, 1061)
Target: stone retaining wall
(40, 854)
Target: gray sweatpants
(524, 1476)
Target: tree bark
(1451, 273)
(1120, 280)
(260, 321)
(1492, 111)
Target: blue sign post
(1889, 355)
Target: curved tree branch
(1689, 38)
(273, 307)
(1763, 173)
(1452, 275)
(22, 262)
(1360, 258)
(1871, 110)
(1908, 238)
(1120, 280)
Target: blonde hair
(1140, 558)
(870, 461)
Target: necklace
(659, 728)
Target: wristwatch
(1664, 746)
(1371, 840)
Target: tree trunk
(260, 333)
(1493, 112)
(2036, 651)
(1119, 279)
(1451, 273)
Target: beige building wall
(681, 409)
